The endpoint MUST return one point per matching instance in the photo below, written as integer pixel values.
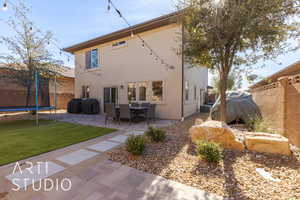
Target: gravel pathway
(235, 177)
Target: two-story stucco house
(118, 68)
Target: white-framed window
(143, 91)
(119, 44)
(131, 92)
(187, 90)
(85, 91)
(151, 91)
(92, 59)
(157, 91)
(195, 92)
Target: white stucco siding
(133, 63)
(196, 77)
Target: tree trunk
(223, 88)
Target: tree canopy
(27, 52)
(222, 34)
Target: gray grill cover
(240, 105)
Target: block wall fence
(279, 103)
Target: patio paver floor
(93, 176)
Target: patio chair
(135, 104)
(125, 113)
(146, 105)
(110, 111)
(150, 114)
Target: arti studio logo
(37, 178)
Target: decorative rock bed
(221, 133)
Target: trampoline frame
(36, 107)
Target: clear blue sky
(74, 21)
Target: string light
(108, 6)
(144, 44)
(5, 5)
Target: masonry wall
(64, 92)
(15, 95)
(279, 102)
(293, 110)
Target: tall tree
(222, 34)
(28, 51)
(234, 82)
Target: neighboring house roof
(68, 72)
(293, 69)
(138, 28)
(65, 71)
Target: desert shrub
(135, 144)
(258, 124)
(209, 151)
(156, 134)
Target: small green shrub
(156, 134)
(258, 124)
(209, 151)
(135, 144)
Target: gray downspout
(182, 74)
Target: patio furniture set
(133, 112)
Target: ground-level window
(187, 90)
(195, 92)
(131, 93)
(85, 92)
(157, 91)
(146, 91)
(143, 91)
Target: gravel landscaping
(235, 177)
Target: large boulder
(240, 106)
(267, 143)
(218, 132)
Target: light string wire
(5, 6)
(144, 43)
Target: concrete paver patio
(99, 120)
(95, 177)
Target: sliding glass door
(110, 95)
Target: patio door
(110, 95)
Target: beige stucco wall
(132, 64)
(196, 76)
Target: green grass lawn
(22, 139)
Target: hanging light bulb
(5, 6)
(108, 6)
(132, 35)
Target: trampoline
(37, 107)
(24, 108)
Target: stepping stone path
(103, 146)
(36, 173)
(119, 138)
(76, 156)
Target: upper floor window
(92, 59)
(119, 44)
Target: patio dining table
(136, 110)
